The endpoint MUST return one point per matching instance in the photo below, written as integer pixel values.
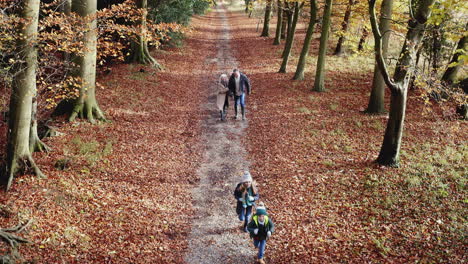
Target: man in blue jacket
(239, 86)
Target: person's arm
(247, 83)
(238, 194)
(272, 226)
(251, 227)
(231, 85)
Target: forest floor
(154, 185)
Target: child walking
(260, 228)
(246, 194)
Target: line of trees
(434, 30)
(56, 47)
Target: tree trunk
(19, 156)
(35, 143)
(139, 47)
(266, 21)
(319, 85)
(279, 23)
(284, 22)
(290, 40)
(344, 28)
(362, 40)
(86, 105)
(377, 98)
(450, 73)
(299, 75)
(389, 153)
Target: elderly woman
(222, 99)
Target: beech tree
(299, 75)
(86, 105)
(319, 85)
(398, 84)
(266, 20)
(139, 47)
(376, 101)
(344, 28)
(456, 62)
(290, 39)
(279, 23)
(19, 157)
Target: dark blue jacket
(238, 195)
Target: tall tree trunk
(290, 40)
(377, 98)
(86, 105)
(362, 40)
(284, 22)
(279, 22)
(344, 28)
(436, 47)
(450, 73)
(390, 151)
(139, 47)
(299, 75)
(319, 85)
(266, 20)
(19, 156)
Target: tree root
(88, 111)
(9, 237)
(21, 164)
(36, 144)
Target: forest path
(216, 236)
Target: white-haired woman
(222, 101)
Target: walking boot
(235, 110)
(243, 113)
(261, 261)
(221, 114)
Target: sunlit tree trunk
(19, 155)
(344, 28)
(376, 100)
(390, 151)
(299, 75)
(362, 40)
(290, 40)
(139, 47)
(450, 73)
(266, 20)
(319, 85)
(86, 105)
(279, 22)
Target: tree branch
(378, 47)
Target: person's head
(261, 212)
(236, 73)
(246, 179)
(223, 78)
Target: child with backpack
(260, 228)
(246, 194)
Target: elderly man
(239, 86)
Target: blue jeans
(245, 215)
(239, 100)
(260, 244)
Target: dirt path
(216, 236)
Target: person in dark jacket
(246, 194)
(239, 86)
(260, 228)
